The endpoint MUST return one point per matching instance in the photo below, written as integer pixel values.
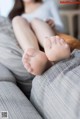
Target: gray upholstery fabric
(5, 74)
(15, 102)
(56, 93)
(11, 66)
(10, 51)
(25, 87)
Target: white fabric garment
(48, 10)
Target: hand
(50, 22)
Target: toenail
(57, 36)
(66, 45)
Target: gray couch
(12, 99)
(54, 95)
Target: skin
(34, 60)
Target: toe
(57, 37)
(30, 70)
(62, 42)
(66, 45)
(27, 66)
(59, 40)
(25, 58)
(53, 39)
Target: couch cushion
(16, 103)
(5, 74)
(10, 51)
(56, 93)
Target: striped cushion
(5, 74)
(56, 93)
(14, 101)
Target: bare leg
(24, 34)
(34, 60)
(55, 47)
(42, 30)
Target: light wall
(5, 7)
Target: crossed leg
(55, 47)
(34, 60)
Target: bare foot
(35, 61)
(56, 49)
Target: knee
(17, 20)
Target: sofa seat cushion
(15, 102)
(56, 93)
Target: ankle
(26, 49)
